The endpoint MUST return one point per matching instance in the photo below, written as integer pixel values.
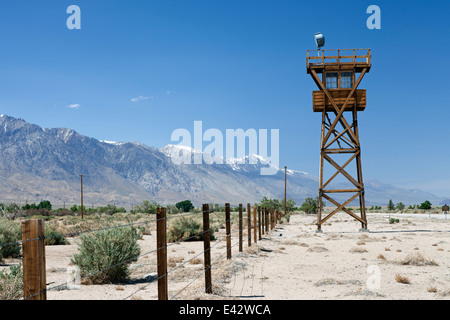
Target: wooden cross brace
(349, 137)
(339, 111)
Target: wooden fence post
(254, 224)
(228, 229)
(259, 223)
(33, 251)
(267, 220)
(275, 221)
(263, 222)
(240, 228)
(272, 224)
(161, 246)
(207, 249)
(249, 224)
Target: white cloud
(74, 106)
(140, 98)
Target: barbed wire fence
(264, 220)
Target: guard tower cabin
(337, 74)
(338, 69)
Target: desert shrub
(425, 205)
(417, 260)
(53, 238)
(11, 283)
(390, 206)
(62, 212)
(392, 221)
(9, 232)
(110, 209)
(402, 279)
(288, 217)
(187, 228)
(185, 205)
(310, 205)
(104, 256)
(146, 207)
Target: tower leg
(322, 145)
(362, 204)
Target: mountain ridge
(45, 163)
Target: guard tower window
(331, 80)
(346, 80)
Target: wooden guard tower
(338, 74)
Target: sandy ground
(292, 262)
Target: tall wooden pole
(82, 211)
(285, 181)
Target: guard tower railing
(339, 57)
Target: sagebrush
(10, 232)
(105, 256)
(11, 283)
(187, 229)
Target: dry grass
(304, 245)
(290, 242)
(11, 289)
(317, 249)
(445, 293)
(183, 273)
(381, 257)
(357, 250)
(417, 260)
(175, 259)
(197, 260)
(402, 279)
(432, 289)
(330, 281)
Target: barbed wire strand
(92, 273)
(196, 277)
(218, 241)
(132, 258)
(79, 232)
(209, 266)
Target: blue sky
(233, 64)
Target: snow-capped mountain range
(45, 164)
